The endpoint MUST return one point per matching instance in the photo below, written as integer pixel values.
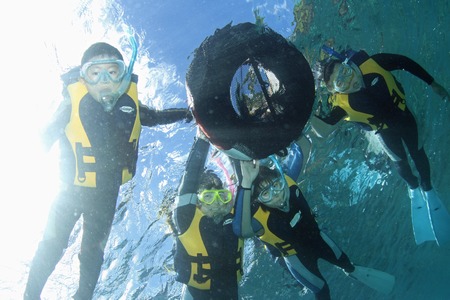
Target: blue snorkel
(133, 44)
(342, 57)
(277, 164)
(272, 160)
(109, 100)
(282, 204)
(332, 52)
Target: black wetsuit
(111, 153)
(381, 106)
(294, 235)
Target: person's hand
(250, 169)
(440, 90)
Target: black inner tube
(210, 75)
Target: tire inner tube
(250, 90)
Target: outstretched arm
(186, 199)
(194, 168)
(393, 62)
(243, 223)
(150, 117)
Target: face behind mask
(346, 78)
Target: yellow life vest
(269, 237)
(195, 247)
(78, 138)
(397, 95)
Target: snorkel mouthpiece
(108, 101)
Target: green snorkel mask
(109, 99)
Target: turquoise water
(361, 202)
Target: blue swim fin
(420, 218)
(375, 279)
(439, 216)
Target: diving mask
(209, 196)
(274, 187)
(348, 79)
(113, 71)
(109, 70)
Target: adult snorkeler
(364, 91)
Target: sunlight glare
(40, 50)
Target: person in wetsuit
(98, 129)
(271, 206)
(208, 256)
(363, 90)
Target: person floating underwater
(208, 255)
(98, 127)
(270, 205)
(364, 91)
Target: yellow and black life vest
(397, 95)
(269, 237)
(201, 263)
(85, 160)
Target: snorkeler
(208, 256)
(98, 125)
(364, 91)
(270, 205)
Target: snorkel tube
(345, 58)
(109, 99)
(272, 160)
(277, 164)
(332, 52)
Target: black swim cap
(100, 48)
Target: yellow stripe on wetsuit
(397, 95)
(77, 136)
(269, 237)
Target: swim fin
(375, 279)
(439, 216)
(420, 218)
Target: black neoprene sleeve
(194, 167)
